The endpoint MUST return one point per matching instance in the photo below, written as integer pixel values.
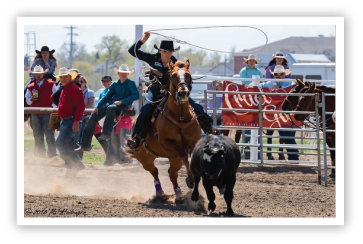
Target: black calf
(216, 159)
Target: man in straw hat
(250, 69)
(38, 94)
(279, 72)
(159, 63)
(119, 97)
(70, 109)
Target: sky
(216, 38)
(256, 31)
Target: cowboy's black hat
(167, 46)
(44, 48)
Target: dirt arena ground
(127, 190)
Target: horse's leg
(281, 150)
(331, 143)
(190, 179)
(184, 157)
(269, 141)
(147, 161)
(175, 166)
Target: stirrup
(134, 142)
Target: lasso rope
(208, 27)
(155, 80)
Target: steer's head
(214, 159)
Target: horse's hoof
(159, 193)
(189, 182)
(178, 192)
(270, 158)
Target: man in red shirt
(70, 109)
(38, 95)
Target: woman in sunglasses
(280, 72)
(277, 59)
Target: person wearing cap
(119, 97)
(277, 59)
(70, 109)
(250, 69)
(159, 63)
(45, 59)
(280, 72)
(38, 94)
(76, 80)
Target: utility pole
(71, 45)
(225, 64)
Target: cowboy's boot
(136, 140)
(209, 129)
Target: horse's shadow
(167, 203)
(276, 170)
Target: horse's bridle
(181, 83)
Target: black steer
(216, 160)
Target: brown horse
(174, 132)
(307, 103)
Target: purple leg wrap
(159, 190)
(177, 190)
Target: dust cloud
(129, 181)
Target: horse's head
(306, 103)
(290, 102)
(180, 81)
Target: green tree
(113, 48)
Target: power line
(71, 45)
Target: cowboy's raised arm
(144, 56)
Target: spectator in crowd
(219, 104)
(89, 100)
(159, 63)
(119, 97)
(70, 109)
(47, 61)
(115, 150)
(280, 72)
(277, 59)
(247, 72)
(38, 94)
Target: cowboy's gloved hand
(117, 103)
(145, 36)
(156, 72)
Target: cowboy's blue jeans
(40, 128)
(108, 111)
(115, 150)
(290, 141)
(65, 144)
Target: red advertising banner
(247, 101)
